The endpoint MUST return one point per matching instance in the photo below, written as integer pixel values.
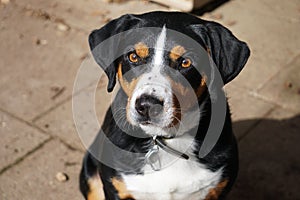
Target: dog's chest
(181, 180)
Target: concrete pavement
(43, 44)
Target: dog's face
(160, 74)
(160, 80)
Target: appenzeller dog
(149, 146)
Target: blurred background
(44, 42)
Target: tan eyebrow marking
(141, 50)
(177, 52)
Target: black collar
(152, 157)
(160, 141)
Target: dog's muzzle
(149, 108)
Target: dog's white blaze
(155, 81)
(181, 180)
(160, 47)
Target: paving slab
(38, 69)
(271, 30)
(288, 11)
(17, 139)
(88, 15)
(244, 106)
(60, 121)
(284, 88)
(269, 160)
(35, 177)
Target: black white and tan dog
(161, 114)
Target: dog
(150, 142)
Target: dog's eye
(185, 63)
(133, 57)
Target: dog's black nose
(148, 106)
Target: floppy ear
(229, 54)
(104, 50)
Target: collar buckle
(153, 159)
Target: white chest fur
(181, 179)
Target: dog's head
(159, 71)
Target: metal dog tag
(152, 158)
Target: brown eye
(186, 63)
(133, 57)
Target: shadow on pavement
(210, 6)
(269, 160)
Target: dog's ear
(105, 50)
(229, 54)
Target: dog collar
(153, 159)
